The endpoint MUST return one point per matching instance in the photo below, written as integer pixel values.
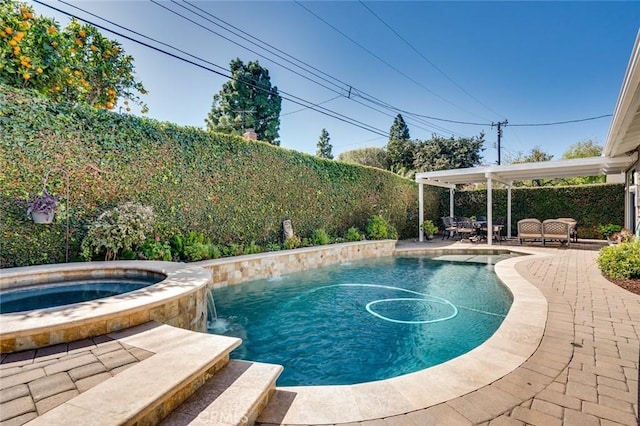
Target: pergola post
(420, 211)
(451, 195)
(509, 209)
(489, 211)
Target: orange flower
(93, 48)
(13, 42)
(8, 30)
(26, 76)
(76, 72)
(51, 30)
(19, 35)
(82, 34)
(39, 70)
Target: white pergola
(593, 166)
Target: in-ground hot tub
(178, 298)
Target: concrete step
(148, 391)
(236, 395)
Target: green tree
(247, 101)
(439, 153)
(324, 146)
(372, 157)
(400, 148)
(583, 149)
(75, 64)
(536, 155)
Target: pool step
(236, 395)
(148, 391)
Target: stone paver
(34, 382)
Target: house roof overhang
(624, 132)
(592, 166)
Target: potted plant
(429, 229)
(42, 207)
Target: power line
(289, 97)
(425, 58)
(561, 122)
(379, 58)
(304, 109)
(379, 103)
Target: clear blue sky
(528, 62)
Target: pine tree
(324, 147)
(247, 101)
(400, 148)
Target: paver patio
(585, 371)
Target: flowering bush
(121, 228)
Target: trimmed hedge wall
(590, 205)
(229, 188)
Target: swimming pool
(367, 320)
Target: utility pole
(499, 124)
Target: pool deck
(584, 371)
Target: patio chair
(556, 230)
(530, 229)
(573, 231)
(498, 225)
(450, 227)
(465, 228)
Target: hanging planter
(42, 217)
(42, 207)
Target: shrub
(196, 251)
(353, 234)
(252, 248)
(608, 230)
(121, 228)
(621, 261)
(379, 229)
(429, 228)
(292, 242)
(320, 237)
(214, 251)
(273, 247)
(156, 250)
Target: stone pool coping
(511, 345)
(178, 300)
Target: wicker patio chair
(530, 229)
(573, 231)
(556, 230)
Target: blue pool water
(364, 321)
(66, 293)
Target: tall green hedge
(590, 205)
(229, 188)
